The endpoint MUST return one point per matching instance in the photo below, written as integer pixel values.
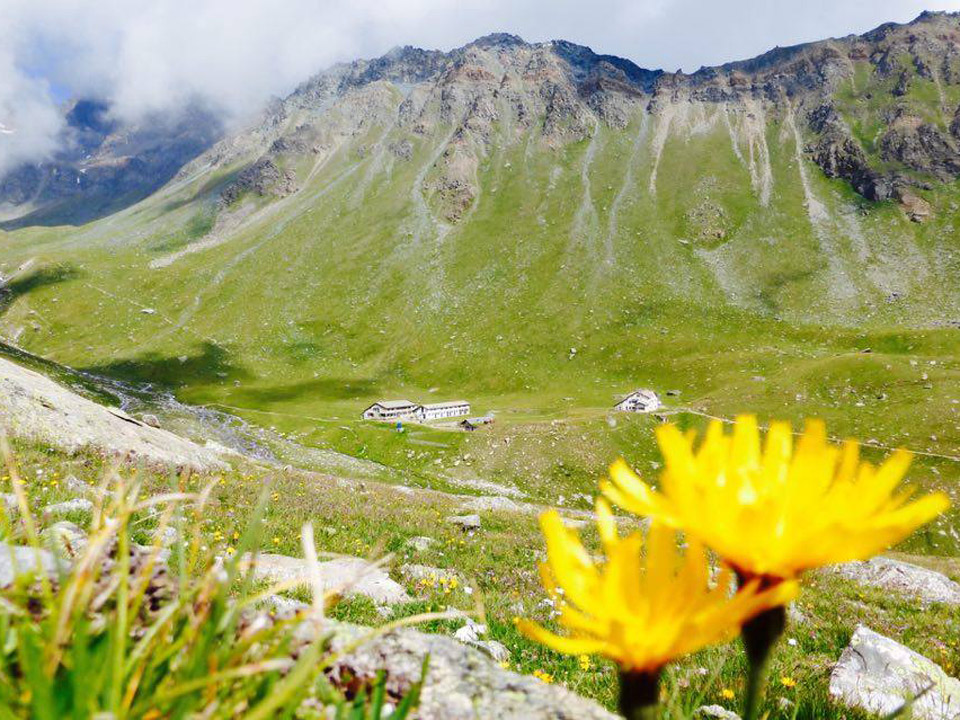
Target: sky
(147, 56)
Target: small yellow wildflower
(777, 511)
(585, 663)
(543, 676)
(641, 612)
(788, 682)
(727, 694)
(276, 540)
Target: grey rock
(903, 578)
(878, 675)
(421, 543)
(63, 508)
(463, 683)
(796, 616)
(284, 607)
(347, 575)
(151, 420)
(466, 522)
(496, 650)
(471, 632)
(493, 502)
(18, 560)
(36, 408)
(715, 711)
(66, 538)
(73, 484)
(162, 554)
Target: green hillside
(693, 247)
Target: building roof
(440, 405)
(394, 404)
(642, 393)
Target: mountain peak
(498, 39)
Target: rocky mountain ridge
(105, 164)
(564, 87)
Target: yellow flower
(788, 682)
(640, 611)
(543, 676)
(727, 694)
(780, 511)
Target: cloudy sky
(156, 55)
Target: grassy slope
(499, 562)
(343, 293)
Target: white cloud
(150, 55)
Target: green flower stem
(759, 636)
(639, 695)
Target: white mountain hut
(438, 411)
(640, 401)
(392, 410)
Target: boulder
(879, 675)
(471, 632)
(466, 522)
(903, 578)
(150, 420)
(65, 538)
(78, 487)
(496, 650)
(715, 711)
(284, 607)
(70, 506)
(34, 407)
(20, 560)
(462, 683)
(421, 543)
(349, 576)
(493, 502)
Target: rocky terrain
(36, 408)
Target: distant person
(399, 426)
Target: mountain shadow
(42, 277)
(210, 365)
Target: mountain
(539, 228)
(104, 165)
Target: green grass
(112, 633)
(499, 564)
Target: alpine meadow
(215, 504)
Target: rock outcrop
(17, 561)
(462, 682)
(348, 576)
(879, 675)
(34, 407)
(903, 578)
